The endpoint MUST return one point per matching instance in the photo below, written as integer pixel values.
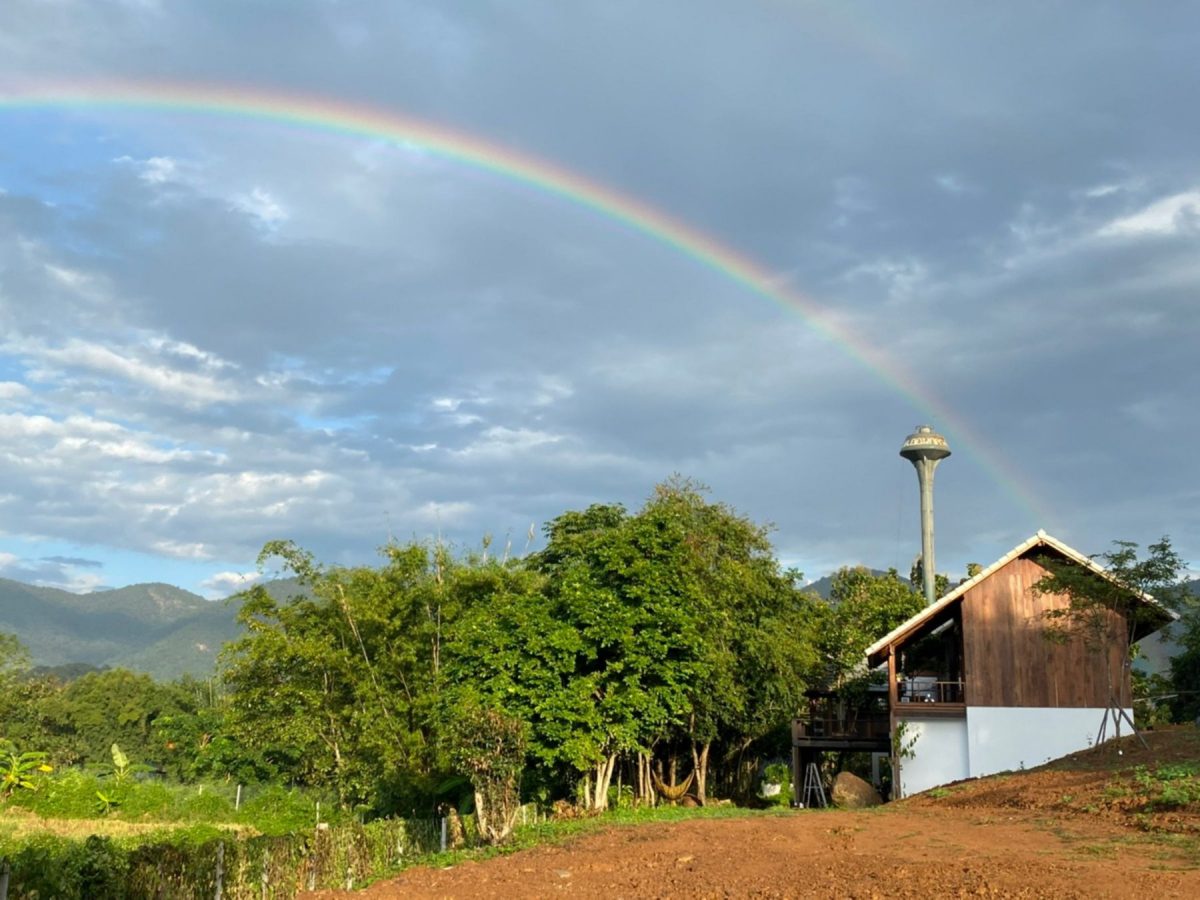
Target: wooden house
(974, 687)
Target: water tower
(925, 448)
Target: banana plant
(20, 770)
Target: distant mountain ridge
(823, 587)
(155, 628)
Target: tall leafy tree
(755, 655)
(685, 630)
(615, 582)
(1105, 613)
(340, 686)
(862, 608)
(84, 718)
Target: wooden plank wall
(1007, 659)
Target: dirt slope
(1093, 825)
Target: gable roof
(1039, 539)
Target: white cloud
(186, 351)
(451, 409)
(222, 584)
(952, 184)
(1170, 215)
(900, 277)
(159, 170)
(552, 389)
(192, 388)
(133, 450)
(13, 390)
(52, 441)
(262, 206)
(69, 277)
(443, 514)
(182, 549)
(501, 442)
(78, 582)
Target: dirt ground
(1077, 828)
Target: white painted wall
(994, 739)
(940, 753)
(1002, 738)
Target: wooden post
(893, 691)
(220, 869)
(4, 870)
(893, 703)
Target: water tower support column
(924, 448)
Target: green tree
(862, 608)
(674, 629)
(340, 686)
(1185, 665)
(752, 626)
(1105, 612)
(82, 719)
(14, 660)
(614, 606)
(490, 747)
(916, 578)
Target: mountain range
(159, 629)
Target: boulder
(851, 792)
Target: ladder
(813, 794)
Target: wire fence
(229, 866)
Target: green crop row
(205, 862)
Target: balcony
(927, 689)
(837, 721)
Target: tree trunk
(604, 770)
(482, 823)
(700, 767)
(743, 780)
(646, 792)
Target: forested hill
(822, 587)
(154, 628)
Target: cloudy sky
(220, 329)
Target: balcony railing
(921, 689)
(837, 718)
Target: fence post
(444, 834)
(4, 870)
(220, 869)
(266, 878)
(237, 803)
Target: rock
(851, 792)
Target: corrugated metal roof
(1039, 539)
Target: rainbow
(339, 117)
